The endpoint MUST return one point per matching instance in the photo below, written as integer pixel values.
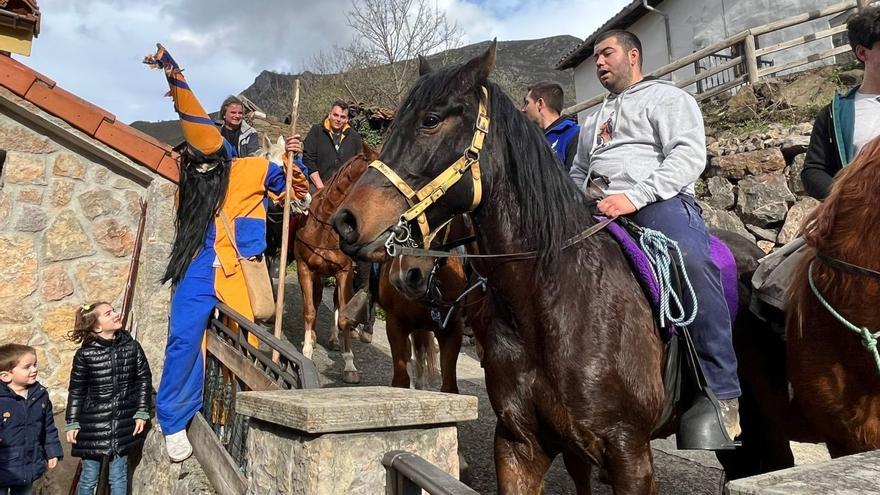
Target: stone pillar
(330, 441)
(859, 473)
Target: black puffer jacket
(109, 383)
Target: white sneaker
(178, 446)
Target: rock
(18, 266)
(795, 219)
(57, 323)
(69, 165)
(804, 128)
(795, 184)
(715, 149)
(114, 237)
(132, 204)
(720, 193)
(24, 168)
(743, 105)
(56, 283)
(807, 91)
(848, 474)
(65, 239)
(763, 200)
(31, 196)
(97, 203)
(60, 192)
(766, 246)
(724, 220)
(24, 140)
(101, 175)
(851, 77)
(31, 219)
(14, 309)
(102, 280)
(155, 474)
(762, 234)
(754, 162)
(6, 203)
(18, 334)
(795, 145)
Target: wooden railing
(752, 58)
(233, 364)
(409, 474)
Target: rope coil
(659, 248)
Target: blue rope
(659, 248)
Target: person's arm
(143, 394)
(571, 151)
(310, 156)
(52, 445)
(678, 124)
(580, 164)
(251, 147)
(817, 175)
(76, 395)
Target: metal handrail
(409, 474)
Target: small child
(28, 437)
(110, 396)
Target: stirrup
(702, 426)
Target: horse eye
(430, 121)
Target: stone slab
(327, 410)
(851, 475)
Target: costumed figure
(221, 199)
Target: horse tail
(426, 358)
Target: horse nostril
(345, 225)
(414, 278)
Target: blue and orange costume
(214, 275)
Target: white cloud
(94, 48)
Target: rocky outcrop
(156, 474)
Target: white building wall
(696, 24)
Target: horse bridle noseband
(420, 200)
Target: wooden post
(285, 226)
(750, 58)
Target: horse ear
(481, 66)
(424, 66)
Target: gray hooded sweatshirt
(648, 142)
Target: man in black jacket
(851, 119)
(330, 144)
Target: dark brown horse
(834, 370)
(571, 350)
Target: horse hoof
(366, 337)
(351, 377)
(334, 345)
(354, 333)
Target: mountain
(518, 64)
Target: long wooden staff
(285, 226)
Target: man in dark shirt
(542, 105)
(330, 144)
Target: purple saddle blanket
(720, 253)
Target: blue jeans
(15, 490)
(679, 218)
(118, 475)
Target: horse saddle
(688, 399)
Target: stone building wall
(68, 222)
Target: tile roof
(23, 10)
(88, 118)
(627, 16)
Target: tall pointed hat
(198, 129)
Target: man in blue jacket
(851, 119)
(28, 438)
(543, 105)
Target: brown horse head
(327, 200)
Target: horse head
(436, 128)
(274, 152)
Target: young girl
(110, 396)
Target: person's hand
(138, 426)
(71, 436)
(53, 462)
(616, 205)
(294, 144)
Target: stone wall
(68, 222)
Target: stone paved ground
(684, 472)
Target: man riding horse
(639, 156)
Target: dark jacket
(320, 154)
(831, 144)
(563, 138)
(109, 383)
(28, 437)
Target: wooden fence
(745, 58)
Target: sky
(94, 48)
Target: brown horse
(571, 350)
(832, 369)
(317, 254)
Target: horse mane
(327, 200)
(845, 226)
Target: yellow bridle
(420, 200)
